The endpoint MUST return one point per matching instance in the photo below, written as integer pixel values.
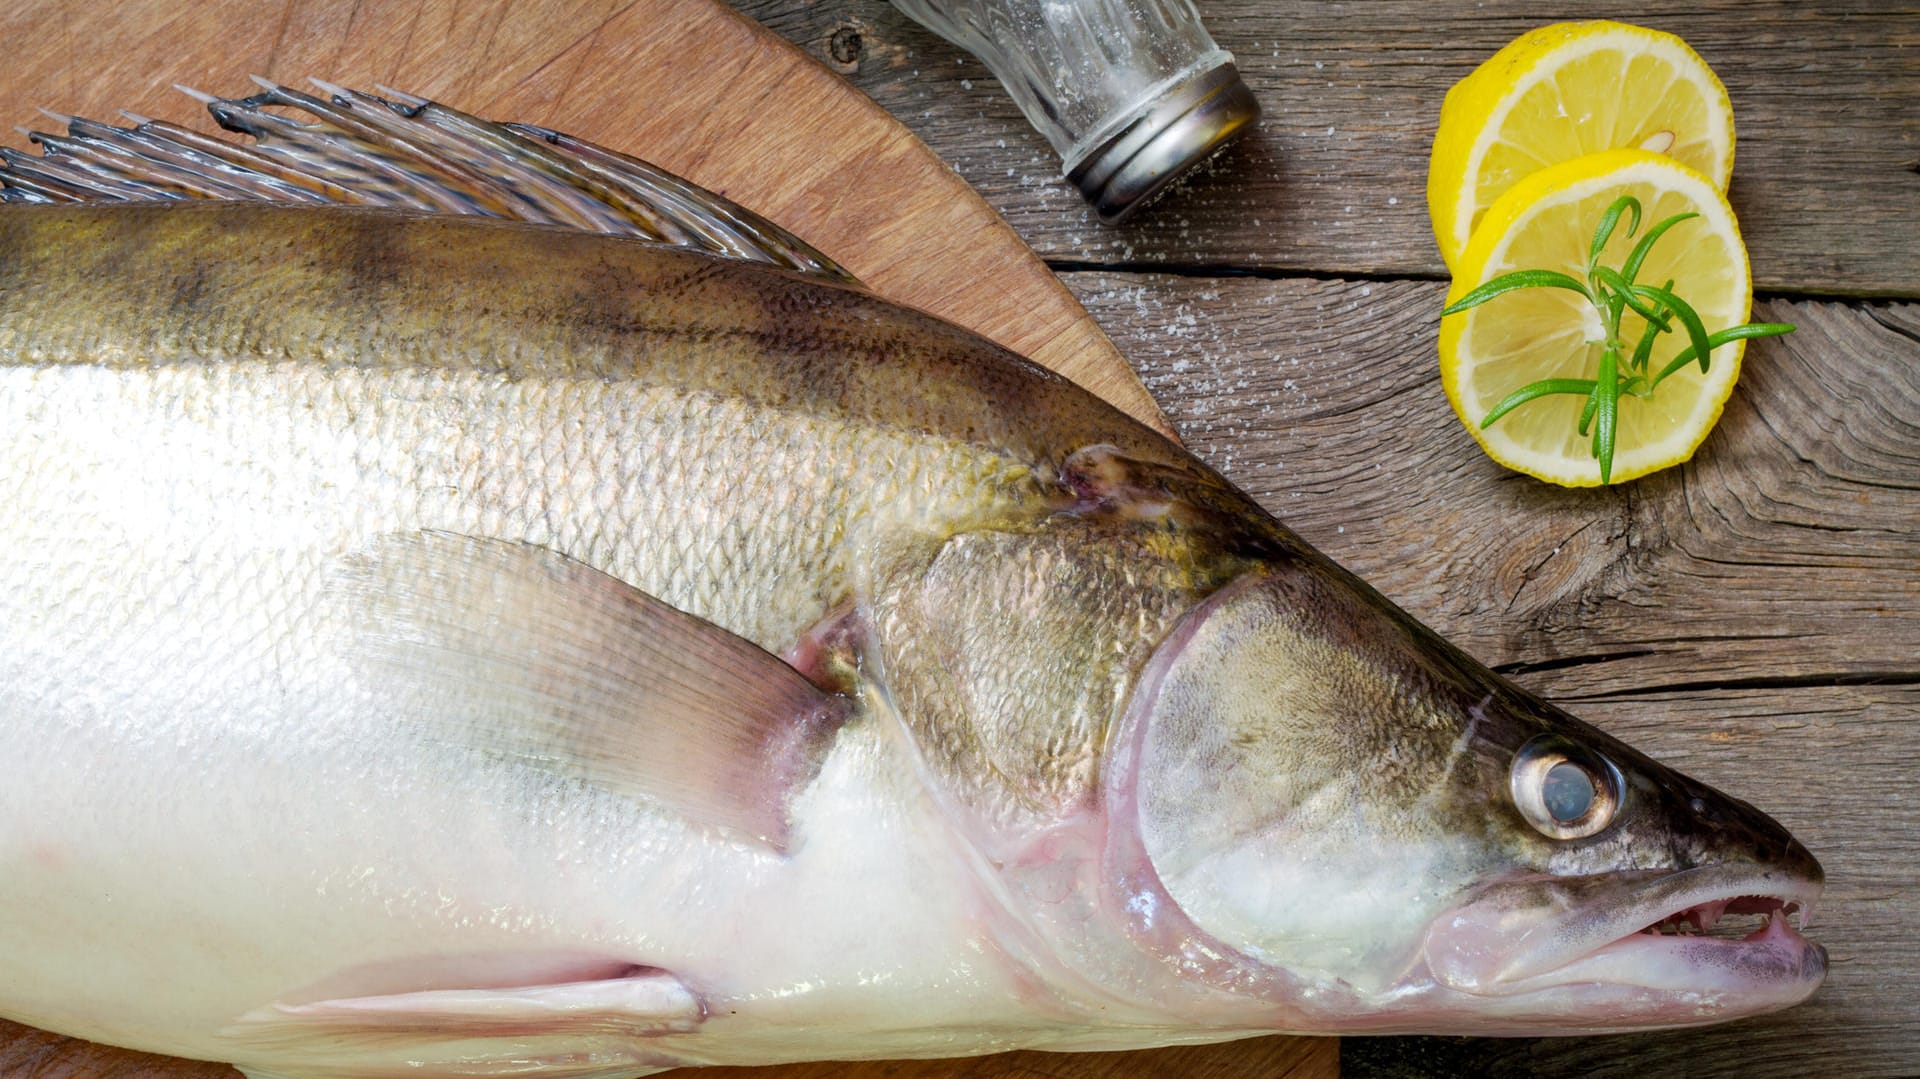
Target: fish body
(452, 647)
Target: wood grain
(687, 84)
(1826, 103)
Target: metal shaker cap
(1188, 124)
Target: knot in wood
(847, 46)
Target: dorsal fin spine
(408, 153)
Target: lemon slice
(1547, 222)
(1563, 91)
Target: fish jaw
(1556, 955)
(1536, 955)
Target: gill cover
(1267, 778)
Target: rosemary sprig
(1613, 292)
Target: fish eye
(1563, 791)
(1567, 792)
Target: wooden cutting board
(697, 89)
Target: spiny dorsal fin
(400, 151)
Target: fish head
(1315, 802)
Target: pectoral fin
(581, 1030)
(523, 653)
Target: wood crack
(1726, 685)
(1878, 315)
(1719, 638)
(1526, 667)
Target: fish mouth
(1640, 949)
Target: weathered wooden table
(1753, 617)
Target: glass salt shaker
(1131, 93)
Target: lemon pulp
(1547, 222)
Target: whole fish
(440, 646)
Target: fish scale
(703, 463)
